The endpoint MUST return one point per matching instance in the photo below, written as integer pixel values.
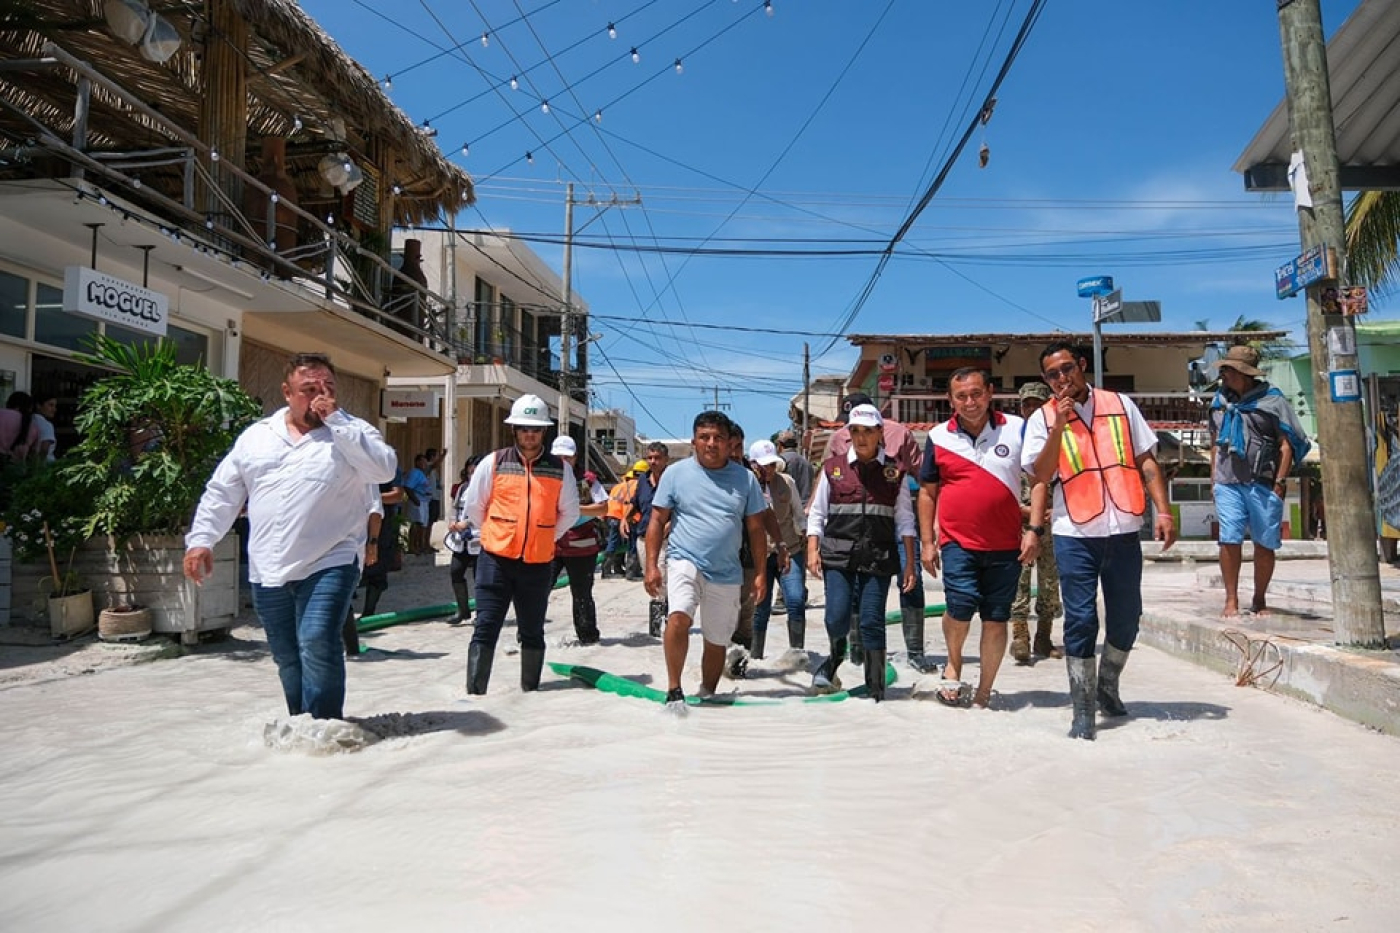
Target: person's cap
(1243, 358)
(764, 453)
(564, 446)
(590, 477)
(529, 411)
(866, 416)
(852, 400)
(641, 466)
(1035, 390)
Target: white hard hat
(529, 411)
(564, 446)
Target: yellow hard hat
(641, 466)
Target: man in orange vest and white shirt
(1100, 454)
(523, 499)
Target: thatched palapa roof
(295, 71)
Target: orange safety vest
(620, 499)
(524, 507)
(1098, 460)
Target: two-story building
(230, 173)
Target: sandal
(954, 693)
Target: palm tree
(1268, 349)
(1372, 233)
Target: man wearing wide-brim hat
(1255, 441)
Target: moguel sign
(402, 404)
(103, 297)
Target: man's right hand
(199, 564)
(652, 581)
(930, 557)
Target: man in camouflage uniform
(1047, 599)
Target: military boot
(1020, 641)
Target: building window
(191, 349)
(56, 327)
(14, 304)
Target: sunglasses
(1060, 372)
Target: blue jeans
(501, 581)
(863, 593)
(793, 584)
(914, 599)
(303, 621)
(1085, 564)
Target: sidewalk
(1292, 651)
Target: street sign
(1106, 306)
(1095, 285)
(1140, 312)
(1313, 266)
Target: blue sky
(815, 131)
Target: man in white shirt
(303, 472)
(1101, 454)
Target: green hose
(621, 686)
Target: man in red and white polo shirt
(970, 491)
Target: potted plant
(152, 433)
(42, 522)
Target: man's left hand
(1030, 547)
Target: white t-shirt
(46, 433)
(1113, 521)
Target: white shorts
(715, 605)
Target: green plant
(152, 433)
(43, 519)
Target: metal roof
(1363, 66)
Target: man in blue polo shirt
(709, 503)
(970, 491)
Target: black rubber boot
(531, 666)
(1083, 684)
(1110, 666)
(464, 601)
(875, 675)
(825, 679)
(479, 659)
(632, 567)
(656, 617)
(759, 638)
(912, 621)
(797, 634)
(350, 634)
(857, 649)
(585, 627)
(372, 594)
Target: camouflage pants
(1047, 599)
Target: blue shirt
(708, 508)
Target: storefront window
(190, 348)
(56, 327)
(14, 303)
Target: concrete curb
(1317, 596)
(1359, 687)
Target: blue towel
(1263, 398)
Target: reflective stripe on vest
(524, 507)
(1099, 460)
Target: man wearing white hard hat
(782, 571)
(523, 499)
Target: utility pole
(806, 394)
(566, 320)
(718, 405)
(1346, 487)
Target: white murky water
(146, 798)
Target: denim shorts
(1256, 507)
(981, 582)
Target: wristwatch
(1037, 530)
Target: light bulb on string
(768, 7)
(388, 82)
(544, 106)
(398, 189)
(466, 148)
(598, 116)
(514, 84)
(213, 155)
(636, 56)
(679, 67)
(612, 31)
(485, 39)
(296, 124)
(530, 158)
